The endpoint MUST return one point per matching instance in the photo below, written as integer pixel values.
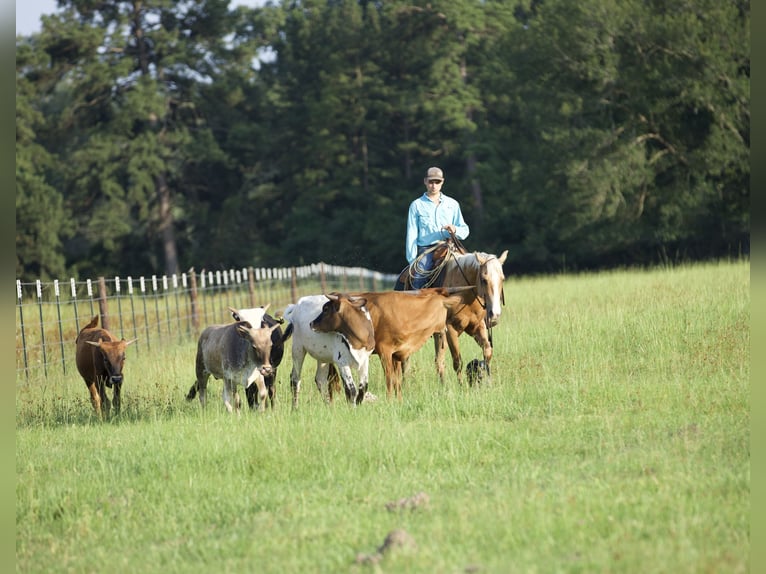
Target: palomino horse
(484, 271)
(456, 268)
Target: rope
(453, 245)
(433, 273)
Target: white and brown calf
(347, 343)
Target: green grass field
(613, 437)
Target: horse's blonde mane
(468, 262)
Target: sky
(28, 13)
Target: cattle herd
(340, 331)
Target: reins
(454, 246)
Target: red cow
(100, 358)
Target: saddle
(440, 252)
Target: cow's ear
(358, 302)
(243, 329)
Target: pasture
(613, 437)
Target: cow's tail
(288, 332)
(192, 392)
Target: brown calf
(100, 358)
(402, 322)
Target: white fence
(159, 310)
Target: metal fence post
(38, 285)
(61, 331)
(23, 335)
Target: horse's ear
(502, 257)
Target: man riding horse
(435, 225)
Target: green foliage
(614, 436)
(172, 134)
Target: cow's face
(329, 318)
(336, 312)
(112, 355)
(348, 316)
(260, 339)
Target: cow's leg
(387, 361)
(201, 387)
(200, 384)
(227, 392)
(256, 379)
(299, 353)
(106, 405)
(237, 399)
(251, 392)
(364, 373)
(116, 399)
(271, 387)
(397, 378)
(322, 380)
(95, 398)
(439, 352)
(348, 383)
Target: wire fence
(160, 310)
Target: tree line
(152, 135)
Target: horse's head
(490, 284)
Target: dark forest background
(156, 135)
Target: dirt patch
(419, 500)
(396, 539)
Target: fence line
(158, 310)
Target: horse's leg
(482, 339)
(439, 352)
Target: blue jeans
(422, 267)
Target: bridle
(482, 298)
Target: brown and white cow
(402, 322)
(239, 353)
(100, 358)
(347, 343)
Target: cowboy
(432, 218)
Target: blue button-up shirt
(425, 220)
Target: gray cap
(434, 173)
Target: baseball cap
(434, 173)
